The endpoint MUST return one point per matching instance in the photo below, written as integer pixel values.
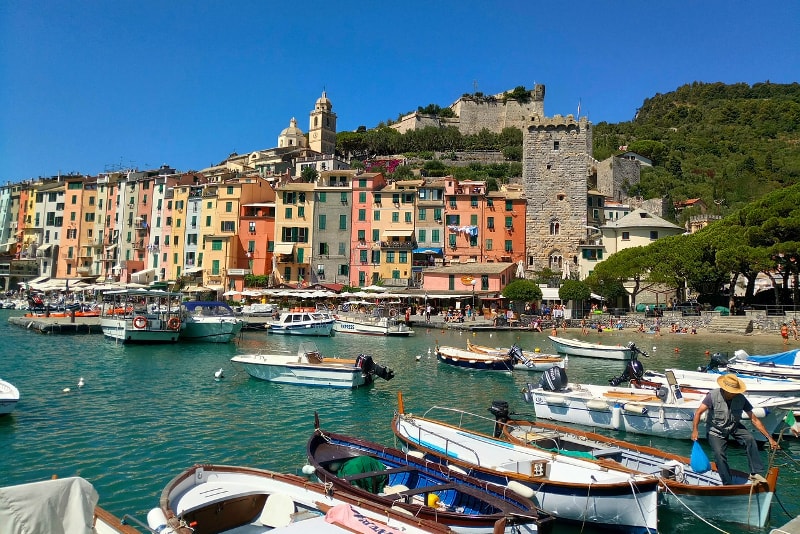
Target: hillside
(726, 144)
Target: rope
(586, 509)
(667, 488)
(638, 504)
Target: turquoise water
(147, 413)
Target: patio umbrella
(230, 293)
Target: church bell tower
(322, 126)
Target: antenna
(474, 86)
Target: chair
(277, 511)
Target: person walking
(793, 328)
(725, 406)
(785, 333)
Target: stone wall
(554, 178)
(492, 113)
(615, 174)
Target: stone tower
(322, 126)
(555, 169)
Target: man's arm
(760, 427)
(696, 421)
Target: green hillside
(726, 144)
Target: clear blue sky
(85, 85)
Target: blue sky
(90, 85)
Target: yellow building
(294, 216)
(393, 221)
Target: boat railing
(448, 444)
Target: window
(454, 220)
(490, 202)
(592, 254)
(376, 235)
(89, 216)
(228, 226)
(422, 235)
(322, 221)
(362, 278)
(323, 248)
(362, 182)
(395, 274)
(191, 239)
(488, 244)
(490, 222)
(395, 198)
(288, 213)
(653, 235)
(395, 216)
(421, 214)
(343, 198)
(376, 215)
(362, 215)
(362, 197)
(322, 196)
(362, 256)
(473, 201)
(230, 189)
(509, 245)
(473, 219)
(72, 233)
(509, 222)
(484, 282)
(437, 214)
(344, 269)
(362, 235)
(626, 236)
(555, 227)
(453, 203)
(435, 236)
(556, 145)
(215, 267)
(408, 216)
(473, 240)
(342, 248)
(376, 257)
(509, 205)
(301, 211)
(452, 240)
(451, 282)
(377, 198)
(402, 256)
(216, 244)
(228, 207)
(390, 256)
(252, 226)
(208, 220)
(144, 199)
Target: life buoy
(174, 323)
(140, 321)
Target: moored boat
(303, 322)
(569, 488)
(308, 367)
(780, 365)
(703, 493)
(525, 360)
(208, 321)
(215, 499)
(141, 316)
(391, 477)
(379, 321)
(576, 347)
(9, 397)
(465, 359)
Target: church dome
(323, 102)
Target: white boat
(58, 505)
(303, 322)
(780, 365)
(308, 367)
(525, 360)
(215, 499)
(576, 347)
(141, 316)
(209, 321)
(379, 321)
(570, 488)
(9, 396)
(666, 412)
(756, 385)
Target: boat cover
(791, 357)
(61, 506)
(365, 464)
(191, 305)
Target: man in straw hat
(725, 405)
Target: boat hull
(472, 361)
(122, 330)
(574, 347)
(321, 328)
(379, 327)
(265, 367)
(9, 396)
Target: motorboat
(391, 477)
(216, 499)
(57, 505)
(706, 381)
(666, 412)
(465, 359)
(780, 365)
(525, 359)
(379, 321)
(570, 488)
(308, 367)
(209, 321)
(576, 347)
(141, 316)
(681, 487)
(303, 322)
(9, 397)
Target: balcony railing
(399, 244)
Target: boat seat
(278, 511)
(370, 474)
(612, 453)
(391, 490)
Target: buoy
(429, 350)
(708, 352)
(654, 347)
(474, 334)
(537, 349)
(597, 404)
(81, 382)
(677, 349)
(66, 390)
(308, 470)
(156, 517)
(219, 374)
(433, 500)
(616, 416)
(419, 357)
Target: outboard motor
(370, 368)
(634, 370)
(554, 379)
(516, 354)
(717, 360)
(499, 409)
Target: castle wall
(615, 175)
(492, 113)
(555, 172)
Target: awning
(429, 250)
(215, 288)
(38, 280)
(550, 293)
(283, 248)
(398, 233)
(595, 296)
(143, 276)
(44, 248)
(193, 270)
(7, 245)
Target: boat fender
(157, 521)
(597, 404)
(308, 470)
(416, 454)
(635, 408)
(616, 416)
(456, 469)
(174, 323)
(140, 321)
(521, 489)
(555, 401)
(662, 417)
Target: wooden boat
(146, 316)
(308, 367)
(58, 505)
(576, 347)
(525, 360)
(209, 321)
(391, 477)
(569, 488)
(9, 397)
(465, 359)
(681, 487)
(665, 412)
(215, 499)
(303, 322)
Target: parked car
(689, 308)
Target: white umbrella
(230, 293)
(520, 269)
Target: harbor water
(146, 413)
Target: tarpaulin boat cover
(365, 464)
(791, 357)
(61, 506)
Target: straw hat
(732, 383)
